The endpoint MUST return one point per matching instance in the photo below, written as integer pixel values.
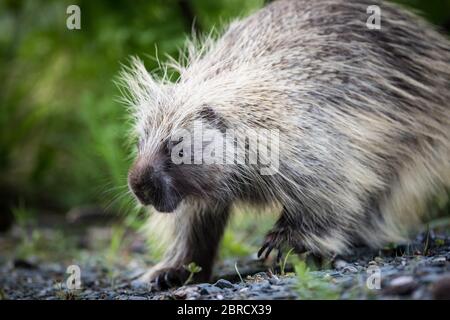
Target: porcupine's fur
(363, 117)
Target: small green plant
(284, 262)
(238, 273)
(192, 268)
(312, 287)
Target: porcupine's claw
(269, 250)
(168, 278)
(271, 242)
(268, 246)
(277, 240)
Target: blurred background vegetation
(63, 137)
(62, 132)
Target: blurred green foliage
(62, 132)
(311, 287)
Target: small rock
(274, 280)
(276, 288)
(401, 285)
(260, 275)
(379, 260)
(205, 289)
(335, 274)
(137, 298)
(349, 269)
(185, 292)
(439, 260)
(263, 284)
(400, 281)
(340, 264)
(222, 284)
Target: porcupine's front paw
(166, 278)
(279, 238)
(162, 278)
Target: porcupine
(363, 120)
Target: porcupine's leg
(282, 234)
(197, 233)
(303, 231)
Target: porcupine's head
(172, 126)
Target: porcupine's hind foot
(280, 237)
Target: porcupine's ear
(208, 114)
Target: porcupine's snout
(152, 185)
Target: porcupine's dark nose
(145, 183)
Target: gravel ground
(420, 270)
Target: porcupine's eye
(171, 144)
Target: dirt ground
(35, 264)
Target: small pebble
(274, 280)
(340, 264)
(222, 283)
(349, 269)
(401, 285)
(440, 260)
(136, 298)
(206, 289)
(379, 260)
